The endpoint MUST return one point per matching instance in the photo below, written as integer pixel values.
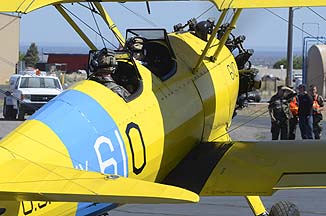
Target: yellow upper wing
(22, 180)
(252, 168)
(25, 6)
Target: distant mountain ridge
(262, 56)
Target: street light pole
(289, 68)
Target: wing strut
(75, 27)
(110, 23)
(226, 34)
(210, 41)
(222, 41)
(256, 205)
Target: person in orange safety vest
(293, 122)
(318, 104)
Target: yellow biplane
(158, 133)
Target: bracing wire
(20, 5)
(206, 11)
(6, 93)
(228, 17)
(152, 23)
(43, 167)
(244, 123)
(88, 8)
(98, 28)
(88, 26)
(233, 129)
(95, 11)
(138, 15)
(9, 23)
(50, 171)
(30, 4)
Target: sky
(263, 30)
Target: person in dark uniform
(280, 112)
(305, 113)
(317, 107)
(104, 68)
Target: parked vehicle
(254, 96)
(28, 93)
(297, 80)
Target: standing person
(317, 107)
(280, 114)
(305, 113)
(294, 108)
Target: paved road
(310, 202)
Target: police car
(27, 93)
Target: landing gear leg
(256, 205)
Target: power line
(300, 29)
(323, 18)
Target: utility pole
(289, 68)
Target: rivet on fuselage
(112, 177)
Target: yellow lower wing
(252, 168)
(21, 180)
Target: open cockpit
(152, 49)
(117, 71)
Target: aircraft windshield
(149, 34)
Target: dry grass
(70, 79)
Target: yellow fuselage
(157, 129)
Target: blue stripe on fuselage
(89, 134)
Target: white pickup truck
(28, 93)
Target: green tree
(297, 63)
(21, 56)
(31, 56)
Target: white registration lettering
(102, 140)
(80, 166)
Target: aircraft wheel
(284, 208)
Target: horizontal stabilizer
(23, 180)
(251, 168)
